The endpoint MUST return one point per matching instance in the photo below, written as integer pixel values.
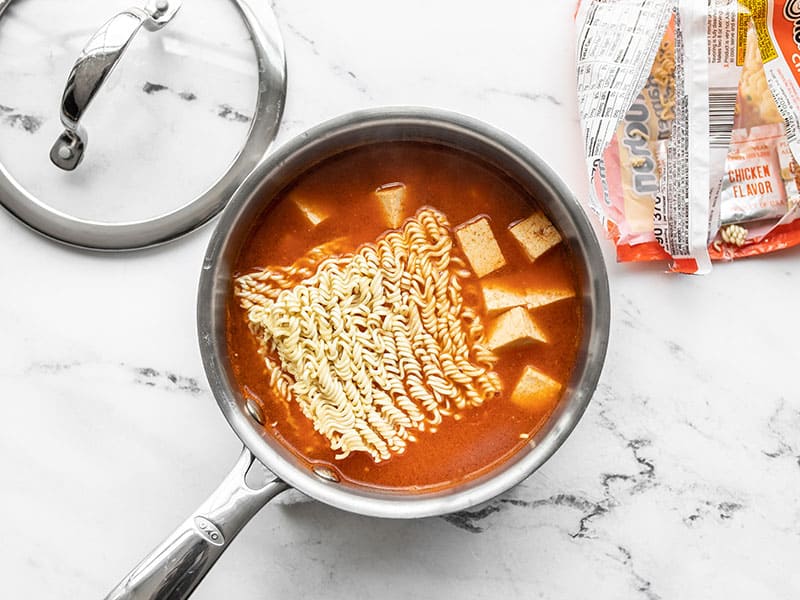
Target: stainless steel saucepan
(175, 568)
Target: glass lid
(127, 123)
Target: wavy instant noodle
(374, 345)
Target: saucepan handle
(173, 569)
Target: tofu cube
(536, 235)
(500, 295)
(480, 246)
(537, 298)
(313, 211)
(393, 203)
(535, 390)
(499, 298)
(513, 328)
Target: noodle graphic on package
(374, 345)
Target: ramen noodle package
(690, 114)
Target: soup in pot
(404, 314)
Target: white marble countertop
(681, 481)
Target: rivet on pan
(161, 7)
(325, 473)
(254, 410)
(65, 152)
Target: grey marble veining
(681, 481)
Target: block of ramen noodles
(535, 234)
(313, 212)
(374, 345)
(393, 201)
(535, 389)
(499, 296)
(513, 328)
(480, 246)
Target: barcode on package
(721, 111)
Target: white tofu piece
(480, 246)
(514, 327)
(394, 203)
(315, 213)
(537, 298)
(536, 235)
(535, 390)
(499, 296)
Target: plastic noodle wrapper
(691, 122)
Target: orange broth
(461, 187)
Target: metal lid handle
(98, 58)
